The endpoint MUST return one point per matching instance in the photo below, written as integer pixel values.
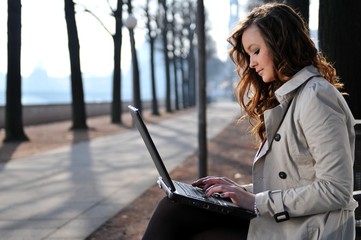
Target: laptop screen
(151, 147)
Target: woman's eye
(256, 52)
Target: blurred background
(94, 57)
(45, 67)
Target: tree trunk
(13, 108)
(191, 75)
(191, 60)
(151, 36)
(175, 68)
(155, 109)
(176, 94)
(185, 97)
(116, 110)
(339, 37)
(168, 105)
(78, 104)
(202, 94)
(301, 6)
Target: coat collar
(273, 117)
(283, 93)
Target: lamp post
(131, 23)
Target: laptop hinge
(165, 188)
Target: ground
(230, 154)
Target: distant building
(233, 13)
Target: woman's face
(259, 54)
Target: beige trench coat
(305, 168)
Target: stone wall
(38, 114)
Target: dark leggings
(172, 220)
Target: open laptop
(183, 192)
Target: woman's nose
(252, 63)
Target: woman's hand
(227, 189)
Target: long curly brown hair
(287, 38)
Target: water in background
(53, 97)
(39, 88)
(38, 91)
(95, 90)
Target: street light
(131, 23)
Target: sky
(44, 36)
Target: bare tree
(116, 111)
(202, 93)
(151, 25)
(185, 95)
(13, 108)
(164, 29)
(189, 26)
(78, 104)
(186, 34)
(175, 32)
(117, 14)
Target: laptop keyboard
(195, 192)
(190, 190)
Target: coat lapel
(273, 118)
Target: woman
(303, 171)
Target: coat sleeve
(248, 187)
(328, 127)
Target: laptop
(180, 191)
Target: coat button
(282, 175)
(277, 137)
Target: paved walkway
(69, 192)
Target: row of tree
(171, 27)
(175, 23)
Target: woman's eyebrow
(250, 46)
